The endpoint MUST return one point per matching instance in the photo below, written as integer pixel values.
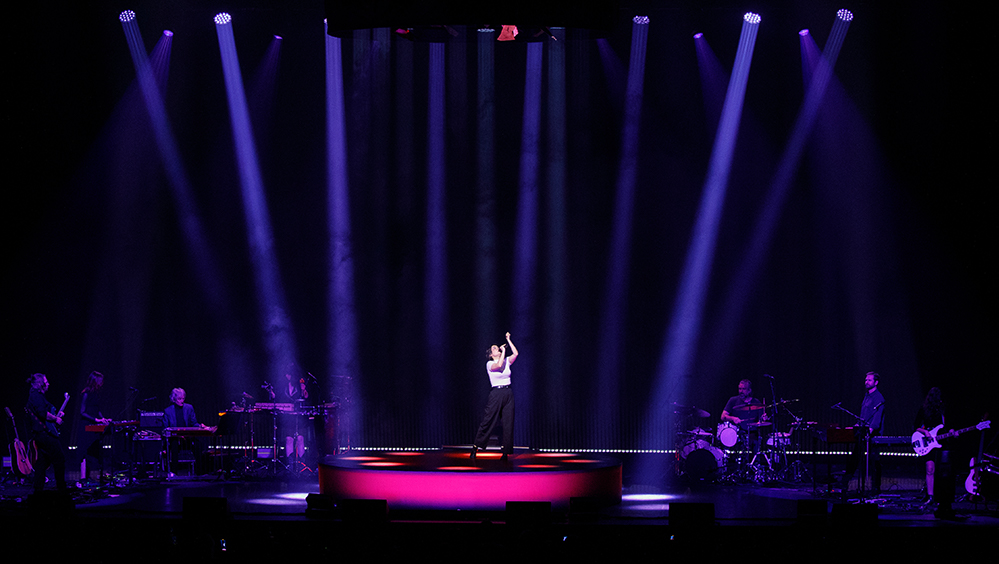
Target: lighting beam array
(685, 321)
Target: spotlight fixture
(845, 15)
(126, 16)
(752, 18)
(803, 32)
(167, 33)
(698, 35)
(641, 20)
(222, 18)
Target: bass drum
(701, 461)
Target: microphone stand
(862, 483)
(775, 438)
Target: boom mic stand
(862, 483)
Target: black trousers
(858, 459)
(49, 454)
(498, 406)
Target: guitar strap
(40, 422)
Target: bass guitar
(23, 465)
(973, 485)
(924, 443)
(50, 425)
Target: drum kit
(731, 453)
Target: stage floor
(267, 516)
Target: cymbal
(748, 407)
(691, 410)
(758, 425)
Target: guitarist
(43, 418)
(929, 416)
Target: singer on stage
(500, 402)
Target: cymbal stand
(274, 445)
(769, 468)
(796, 471)
(779, 446)
(744, 470)
(250, 452)
(292, 447)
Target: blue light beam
(525, 259)
(556, 308)
(604, 432)
(342, 326)
(435, 274)
(485, 217)
(205, 266)
(276, 327)
(681, 341)
(744, 281)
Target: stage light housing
(698, 35)
(803, 32)
(126, 16)
(752, 18)
(167, 33)
(641, 20)
(222, 18)
(845, 15)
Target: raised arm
(513, 349)
(498, 364)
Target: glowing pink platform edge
(481, 485)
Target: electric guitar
(50, 425)
(23, 465)
(923, 444)
(973, 485)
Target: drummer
(744, 410)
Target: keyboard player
(180, 414)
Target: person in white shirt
(500, 405)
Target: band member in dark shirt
(179, 414)
(743, 409)
(44, 418)
(90, 414)
(872, 412)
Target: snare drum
(728, 433)
(779, 439)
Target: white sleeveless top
(499, 378)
